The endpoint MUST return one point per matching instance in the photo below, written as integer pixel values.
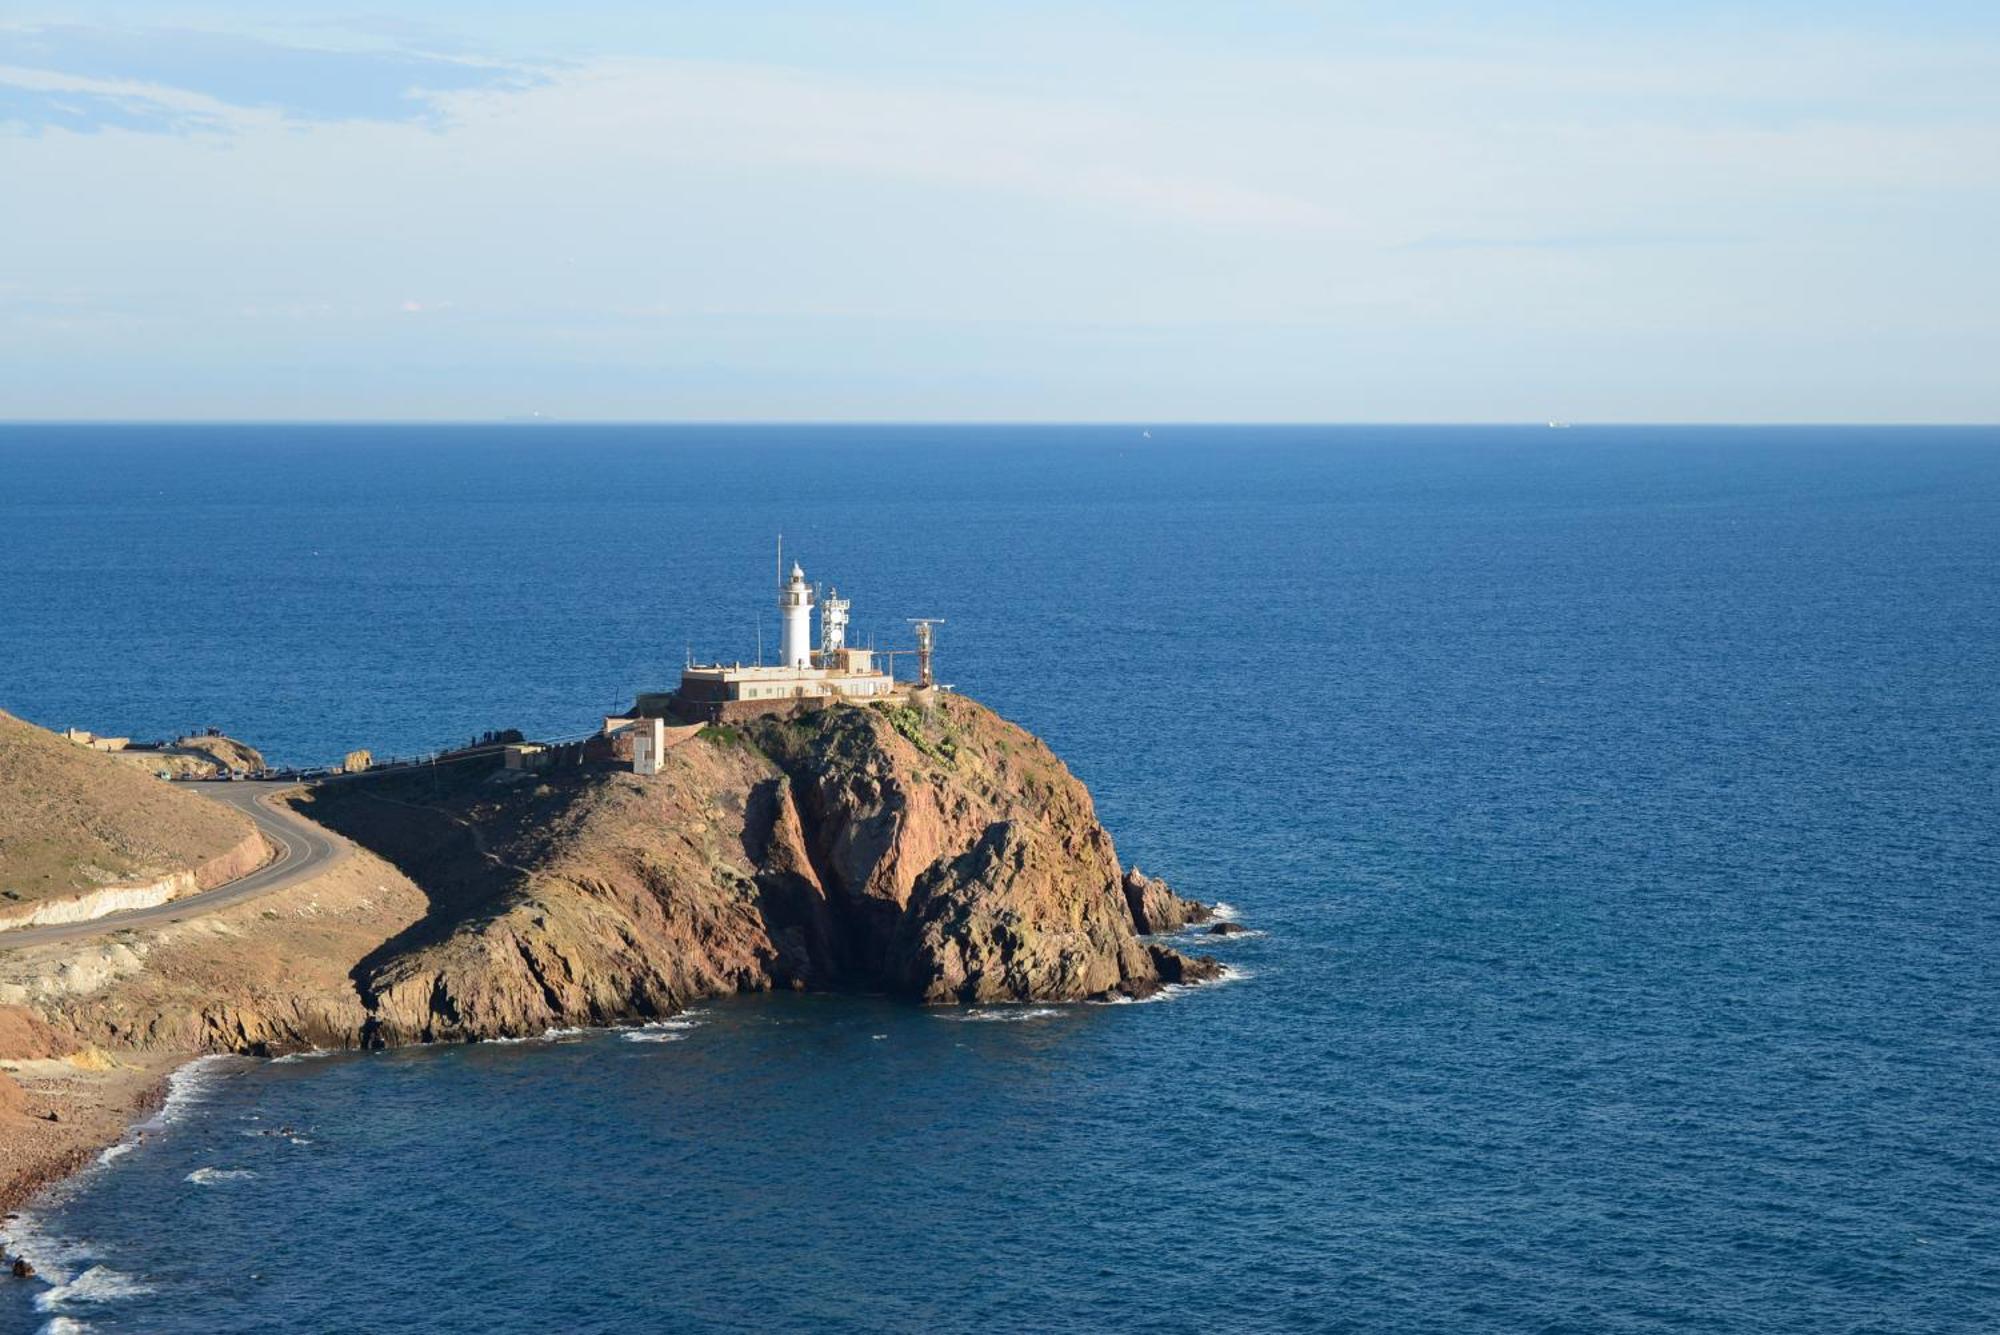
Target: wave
(98, 1284)
(550, 1035)
(54, 1256)
(63, 1325)
(204, 1176)
(998, 1014)
(1198, 934)
(304, 1055)
(1231, 973)
(663, 1031)
(187, 1086)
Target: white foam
(204, 1176)
(63, 1325)
(1220, 910)
(662, 1031)
(118, 1151)
(186, 1088)
(98, 1284)
(999, 1014)
(307, 1055)
(550, 1035)
(1200, 935)
(1231, 973)
(54, 1256)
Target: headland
(896, 838)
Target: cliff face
(932, 851)
(961, 860)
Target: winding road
(304, 849)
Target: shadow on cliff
(410, 822)
(469, 848)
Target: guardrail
(325, 773)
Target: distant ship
(1559, 426)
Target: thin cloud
(301, 83)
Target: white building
(715, 692)
(795, 611)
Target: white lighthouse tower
(795, 610)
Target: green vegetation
(723, 735)
(908, 721)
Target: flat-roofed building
(718, 692)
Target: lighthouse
(795, 610)
(800, 680)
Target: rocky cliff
(930, 850)
(924, 849)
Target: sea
(1615, 813)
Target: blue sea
(1617, 812)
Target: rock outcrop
(924, 849)
(928, 850)
(1156, 909)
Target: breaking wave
(1200, 935)
(998, 1014)
(98, 1284)
(663, 1031)
(187, 1087)
(204, 1176)
(550, 1035)
(1231, 973)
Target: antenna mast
(925, 634)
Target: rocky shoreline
(927, 849)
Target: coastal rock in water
(1015, 918)
(1175, 967)
(1227, 929)
(936, 852)
(21, 1269)
(961, 859)
(1156, 909)
(927, 849)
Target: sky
(1134, 212)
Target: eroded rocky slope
(932, 851)
(928, 850)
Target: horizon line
(901, 422)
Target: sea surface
(1617, 811)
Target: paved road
(304, 849)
